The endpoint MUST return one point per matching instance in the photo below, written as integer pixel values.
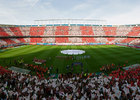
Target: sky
(115, 12)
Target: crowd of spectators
(110, 67)
(119, 85)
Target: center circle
(72, 52)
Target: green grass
(99, 55)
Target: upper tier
(70, 30)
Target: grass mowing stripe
(109, 58)
(37, 53)
(93, 61)
(19, 52)
(11, 50)
(59, 62)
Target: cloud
(131, 17)
(31, 2)
(81, 7)
(7, 15)
(25, 11)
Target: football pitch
(98, 56)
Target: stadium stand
(110, 31)
(25, 32)
(49, 30)
(74, 30)
(119, 85)
(36, 31)
(80, 34)
(2, 42)
(17, 32)
(87, 30)
(61, 30)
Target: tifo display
(69, 34)
(72, 52)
